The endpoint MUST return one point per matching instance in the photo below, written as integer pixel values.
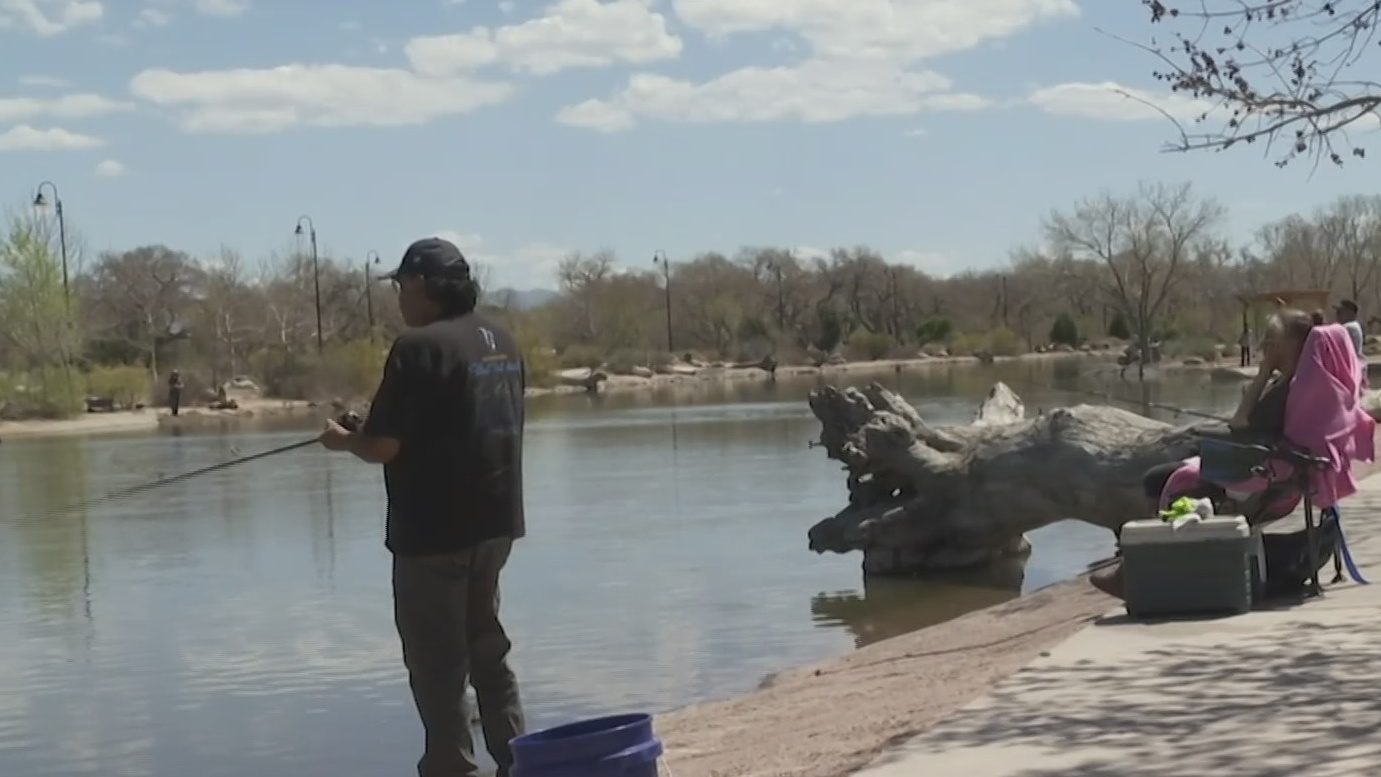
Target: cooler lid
(1155, 531)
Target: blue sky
(937, 131)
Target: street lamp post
(660, 258)
(368, 294)
(781, 298)
(39, 202)
(316, 275)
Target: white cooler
(1203, 567)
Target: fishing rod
(350, 421)
(1109, 396)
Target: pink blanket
(1323, 415)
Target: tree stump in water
(925, 499)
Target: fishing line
(350, 421)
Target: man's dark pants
(447, 611)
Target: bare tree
(1295, 71)
(580, 277)
(1357, 228)
(1144, 242)
(146, 298)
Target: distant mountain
(520, 299)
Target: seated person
(1259, 419)
(1260, 416)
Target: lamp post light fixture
(660, 258)
(39, 202)
(776, 266)
(316, 274)
(368, 289)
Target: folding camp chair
(1227, 461)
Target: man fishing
(446, 424)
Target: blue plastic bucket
(616, 746)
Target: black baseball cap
(432, 257)
(1347, 305)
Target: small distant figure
(1244, 344)
(175, 387)
(1345, 312)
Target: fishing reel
(350, 422)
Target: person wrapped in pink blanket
(1308, 392)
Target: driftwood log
(929, 499)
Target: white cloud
(598, 115)
(862, 60)
(507, 6)
(906, 30)
(44, 82)
(225, 8)
(570, 33)
(152, 17)
(72, 106)
(48, 17)
(814, 92)
(918, 132)
(465, 241)
(111, 168)
(1110, 101)
(936, 263)
(276, 99)
(350, 25)
(530, 266)
(27, 138)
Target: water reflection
(241, 622)
(890, 608)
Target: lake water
(241, 623)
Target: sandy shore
(721, 374)
(834, 718)
(150, 420)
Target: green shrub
(1119, 327)
(829, 329)
(968, 344)
(1064, 331)
(998, 342)
(47, 393)
(539, 359)
(934, 330)
(349, 370)
(283, 373)
(870, 346)
(1004, 342)
(581, 356)
(126, 385)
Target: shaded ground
(1288, 691)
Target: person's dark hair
(456, 296)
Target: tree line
(1149, 265)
